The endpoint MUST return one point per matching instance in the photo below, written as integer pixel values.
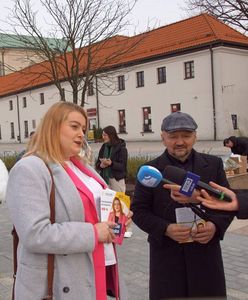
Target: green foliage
(9, 159)
(97, 133)
(133, 165)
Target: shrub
(133, 164)
(9, 160)
(97, 134)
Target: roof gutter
(213, 89)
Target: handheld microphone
(151, 177)
(189, 181)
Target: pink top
(91, 217)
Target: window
(161, 74)
(122, 121)
(10, 104)
(189, 71)
(90, 89)
(121, 83)
(42, 99)
(12, 130)
(26, 129)
(147, 119)
(175, 107)
(34, 124)
(24, 102)
(140, 79)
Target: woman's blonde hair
(46, 140)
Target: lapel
(67, 192)
(201, 167)
(81, 186)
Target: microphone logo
(189, 184)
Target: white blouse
(96, 190)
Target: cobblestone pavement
(133, 254)
(133, 257)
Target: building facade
(206, 79)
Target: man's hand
(178, 233)
(204, 233)
(178, 197)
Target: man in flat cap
(179, 268)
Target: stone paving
(133, 258)
(133, 254)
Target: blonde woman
(77, 237)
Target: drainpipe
(3, 66)
(18, 119)
(213, 90)
(97, 105)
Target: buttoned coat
(70, 238)
(181, 270)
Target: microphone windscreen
(175, 174)
(149, 176)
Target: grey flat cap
(178, 121)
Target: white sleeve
(3, 180)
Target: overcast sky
(154, 13)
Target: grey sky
(152, 13)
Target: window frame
(42, 98)
(189, 69)
(140, 79)
(147, 119)
(121, 83)
(161, 74)
(122, 121)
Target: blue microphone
(151, 177)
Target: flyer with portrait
(185, 216)
(115, 207)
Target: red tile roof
(180, 36)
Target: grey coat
(69, 238)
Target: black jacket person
(179, 269)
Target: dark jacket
(181, 270)
(119, 160)
(240, 145)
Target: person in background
(238, 145)
(180, 269)
(20, 155)
(3, 180)
(112, 162)
(85, 258)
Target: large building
(19, 52)
(198, 65)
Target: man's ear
(162, 138)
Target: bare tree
(232, 12)
(88, 30)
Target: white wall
(231, 73)
(194, 95)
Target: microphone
(151, 177)
(190, 181)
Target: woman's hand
(105, 232)
(129, 218)
(211, 202)
(177, 196)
